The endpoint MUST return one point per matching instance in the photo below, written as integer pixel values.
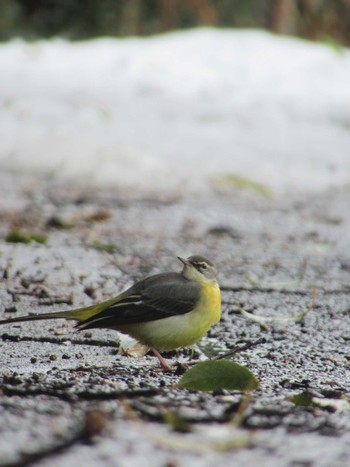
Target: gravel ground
(73, 398)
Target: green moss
(231, 182)
(16, 236)
(107, 247)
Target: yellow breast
(210, 302)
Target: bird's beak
(183, 260)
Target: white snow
(172, 111)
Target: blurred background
(82, 19)
(177, 94)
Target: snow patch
(172, 111)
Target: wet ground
(73, 398)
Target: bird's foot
(162, 362)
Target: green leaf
(306, 399)
(303, 399)
(177, 423)
(216, 375)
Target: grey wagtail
(164, 311)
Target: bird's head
(198, 269)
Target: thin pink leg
(162, 362)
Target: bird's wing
(156, 297)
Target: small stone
(90, 291)
(95, 422)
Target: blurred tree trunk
(131, 18)
(81, 19)
(207, 14)
(169, 12)
(202, 12)
(283, 15)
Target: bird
(164, 311)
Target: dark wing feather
(155, 297)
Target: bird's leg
(162, 362)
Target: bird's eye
(203, 266)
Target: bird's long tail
(79, 314)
